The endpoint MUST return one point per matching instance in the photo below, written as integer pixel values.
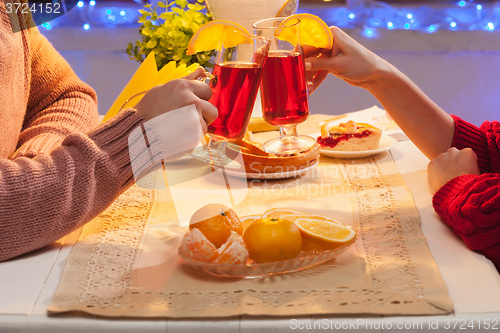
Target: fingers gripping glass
(234, 82)
(284, 90)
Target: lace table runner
(126, 262)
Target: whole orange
(216, 221)
(272, 239)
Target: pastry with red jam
(350, 136)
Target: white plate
(386, 143)
(276, 175)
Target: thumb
(197, 73)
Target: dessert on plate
(257, 160)
(350, 136)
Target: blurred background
(451, 49)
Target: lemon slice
(323, 235)
(213, 34)
(294, 218)
(312, 30)
(277, 212)
(293, 215)
(248, 219)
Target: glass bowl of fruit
(276, 242)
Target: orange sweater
(53, 177)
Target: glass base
(289, 144)
(215, 157)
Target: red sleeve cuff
(469, 136)
(442, 199)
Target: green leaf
(181, 3)
(177, 10)
(152, 44)
(162, 4)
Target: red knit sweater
(470, 204)
(55, 172)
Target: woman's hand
(179, 93)
(449, 165)
(347, 59)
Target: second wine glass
(284, 90)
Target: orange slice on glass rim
(324, 235)
(312, 30)
(213, 34)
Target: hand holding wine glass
(235, 79)
(284, 89)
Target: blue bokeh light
(80, 4)
(86, 26)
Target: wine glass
(284, 90)
(234, 81)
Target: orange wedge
(247, 220)
(213, 34)
(293, 215)
(278, 212)
(312, 30)
(323, 235)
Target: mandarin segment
(197, 246)
(233, 251)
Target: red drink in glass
(233, 93)
(285, 99)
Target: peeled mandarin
(216, 221)
(197, 246)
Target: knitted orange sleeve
(59, 102)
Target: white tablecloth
(28, 284)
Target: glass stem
(217, 145)
(288, 130)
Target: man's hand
(449, 165)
